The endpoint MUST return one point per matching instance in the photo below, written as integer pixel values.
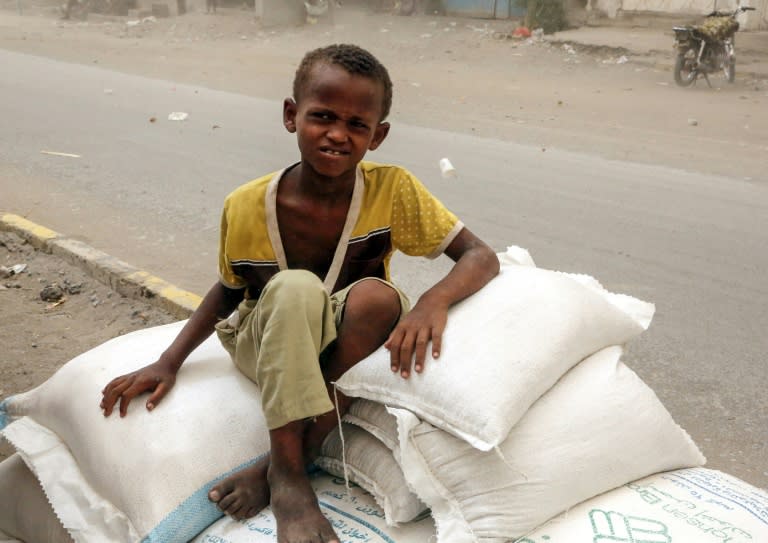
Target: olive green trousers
(277, 342)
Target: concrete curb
(120, 276)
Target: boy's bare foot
(244, 493)
(296, 510)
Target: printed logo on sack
(615, 527)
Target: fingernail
(150, 406)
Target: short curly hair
(353, 59)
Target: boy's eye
(324, 115)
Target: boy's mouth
(333, 152)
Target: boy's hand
(157, 378)
(409, 340)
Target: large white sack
(503, 347)
(25, 514)
(145, 476)
(696, 505)
(353, 513)
(363, 459)
(598, 428)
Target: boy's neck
(308, 183)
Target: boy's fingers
(406, 355)
(393, 344)
(421, 348)
(437, 344)
(112, 394)
(113, 383)
(129, 394)
(157, 395)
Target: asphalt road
(149, 190)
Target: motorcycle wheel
(729, 67)
(685, 75)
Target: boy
(327, 224)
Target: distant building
(751, 20)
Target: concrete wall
(280, 12)
(752, 20)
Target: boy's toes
(220, 491)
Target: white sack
(353, 514)
(369, 463)
(25, 513)
(375, 419)
(503, 347)
(694, 505)
(145, 475)
(598, 428)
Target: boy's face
(336, 120)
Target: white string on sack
(341, 437)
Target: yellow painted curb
(35, 234)
(120, 276)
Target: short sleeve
(227, 276)
(421, 224)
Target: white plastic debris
(57, 153)
(178, 116)
(446, 168)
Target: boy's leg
(293, 324)
(277, 345)
(365, 314)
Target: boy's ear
(289, 114)
(379, 135)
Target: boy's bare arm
(159, 377)
(476, 264)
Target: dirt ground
(458, 74)
(38, 335)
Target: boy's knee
(294, 282)
(372, 301)
(293, 290)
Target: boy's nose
(338, 133)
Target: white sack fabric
(145, 476)
(25, 513)
(598, 428)
(503, 347)
(369, 463)
(375, 419)
(353, 514)
(694, 505)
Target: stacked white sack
(503, 348)
(599, 427)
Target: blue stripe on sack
(194, 514)
(368, 525)
(5, 418)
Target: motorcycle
(707, 48)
